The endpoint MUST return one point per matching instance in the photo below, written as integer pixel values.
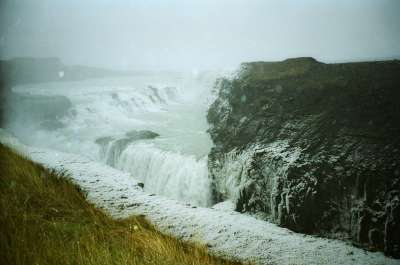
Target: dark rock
(141, 135)
(140, 184)
(104, 140)
(156, 94)
(112, 148)
(312, 146)
(133, 205)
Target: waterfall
(120, 116)
(167, 173)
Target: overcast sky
(198, 34)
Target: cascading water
(104, 113)
(178, 176)
(172, 174)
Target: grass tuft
(45, 219)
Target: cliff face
(313, 147)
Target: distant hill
(36, 70)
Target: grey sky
(198, 34)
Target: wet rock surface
(141, 135)
(222, 230)
(112, 147)
(312, 147)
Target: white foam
(172, 165)
(176, 176)
(226, 234)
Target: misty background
(142, 104)
(206, 34)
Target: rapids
(171, 105)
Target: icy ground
(227, 234)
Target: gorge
(310, 146)
(313, 147)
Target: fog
(207, 34)
(171, 111)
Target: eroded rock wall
(313, 147)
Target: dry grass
(45, 219)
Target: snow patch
(227, 234)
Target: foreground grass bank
(45, 219)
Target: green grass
(45, 219)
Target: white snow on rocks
(227, 234)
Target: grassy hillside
(45, 219)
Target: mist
(216, 132)
(188, 35)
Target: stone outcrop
(112, 147)
(313, 147)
